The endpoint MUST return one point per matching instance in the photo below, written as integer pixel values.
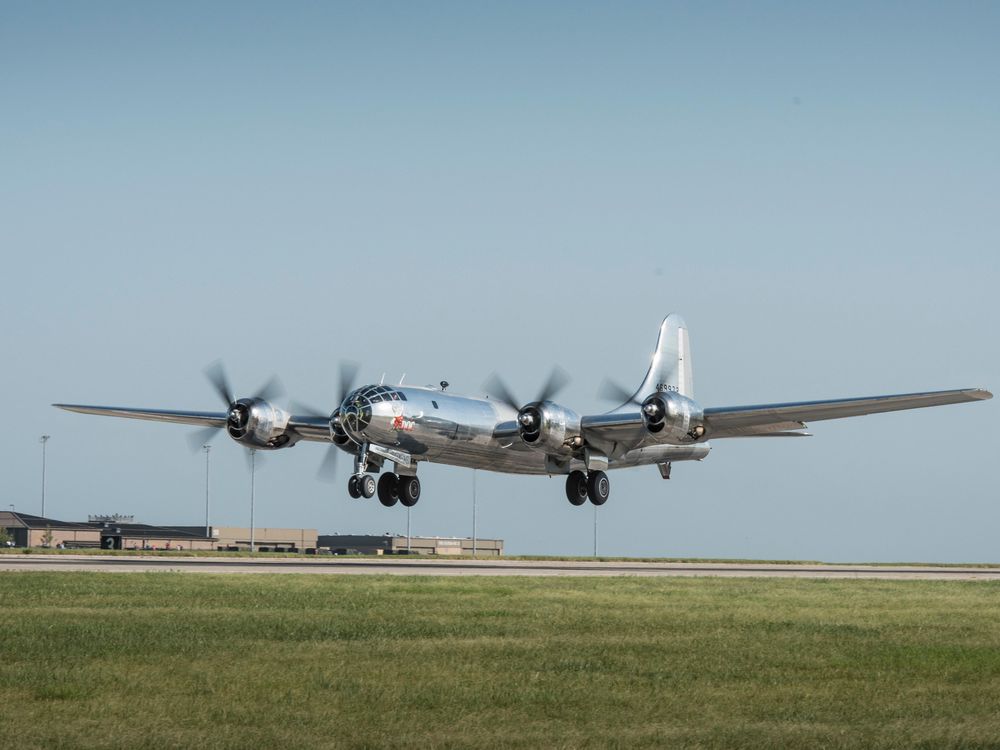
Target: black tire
(598, 487)
(409, 491)
(367, 486)
(352, 488)
(388, 489)
(576, 487)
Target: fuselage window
(434, 404)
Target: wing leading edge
(763, 419)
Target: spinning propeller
(529, 418)
(612, 391)
(328, 468)
(237, 413)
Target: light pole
(595, 531)
(43, 440)
(253, 465)
(208, 529)
(474, 550)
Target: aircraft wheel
(352, 488)
(576, 487)
(409, 491)
(367, 486)
(598, 487)
(388, 489)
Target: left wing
(610, 431)
(740, 421)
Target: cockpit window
(373, 394)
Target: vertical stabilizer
(670, 367)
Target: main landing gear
(393, 488)
(580, 486)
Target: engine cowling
(549, 427)
(672, 418)
(258, 424)
(337, 434)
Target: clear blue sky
(449, 189)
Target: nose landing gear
(580, 486)
(361, 486)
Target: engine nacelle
(672, 418)
(258, 424)
(549, 427)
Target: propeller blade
(197, 439)
(328, 468)
(271, 390)
(612, 391)
(496, 388)
(348, 374)
(216, 375)
(558, 379)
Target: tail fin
(670, 368)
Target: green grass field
(175, 660)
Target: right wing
(202, 418)
(306, 427)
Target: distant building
(396, 544)
(266, 539)
(28, 530)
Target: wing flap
(739, 421)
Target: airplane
(659, 424)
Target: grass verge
(167, 659)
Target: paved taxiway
(439, 567)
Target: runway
(444, 567)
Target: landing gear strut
(580, 486)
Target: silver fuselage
(440, 427)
